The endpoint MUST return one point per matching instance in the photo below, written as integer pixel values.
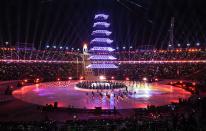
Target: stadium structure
(137, 75)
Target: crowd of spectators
(52, 71)
(195, 71)
(190, 54)
(42, 71)
(49, 55)
(186, 115)
(13, 71)
(178, 54)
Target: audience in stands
(187, 115)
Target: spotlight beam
(54, 24)
(138, 5)
(36, 28)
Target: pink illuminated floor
(66, 93)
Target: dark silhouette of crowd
(100, 85)
(188, 115)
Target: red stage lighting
(144, 79)
(81, 78)
(127, 78)
(37, 80)
(156, 79)
(193, 83)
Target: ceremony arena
(67, 94)
(102, 65)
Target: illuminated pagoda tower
(101, 44)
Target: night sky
(134, 22)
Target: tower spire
(101, 44)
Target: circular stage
(138, 95)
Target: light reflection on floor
(140, 95)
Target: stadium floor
(68, 95)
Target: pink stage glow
(66, 93)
